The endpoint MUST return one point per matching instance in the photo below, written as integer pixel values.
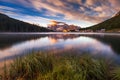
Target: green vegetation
(110, 24)
(114, 30)
(39, 66)
(8, 24)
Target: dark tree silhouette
(110, 24)
(8, 24)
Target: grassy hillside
(110, 24)
(8, 24)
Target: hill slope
(110, 24)
(8, 24)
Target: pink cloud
(91, 10)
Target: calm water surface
(105, 45)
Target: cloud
(6, 8)
(14, 13)
(98, 9)
(115, 4)
(34, 19)
(59, 7)
(93, 11)
(91, 2)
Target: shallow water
(105, 45)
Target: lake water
(105, 45)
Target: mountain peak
(117, 14)
(3, 16)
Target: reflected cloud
(59, 43)
(53, 41)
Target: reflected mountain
(113, 41)
(12, 45)
(64, 36)
(6, 40)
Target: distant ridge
(109, 25)
(8, 24)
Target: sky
(83, 13)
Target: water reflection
(100, 45)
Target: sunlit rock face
(62, 27)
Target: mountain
(62, 27)
(8, 24)
(110, 25)
(118, 14)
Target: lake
(106, 45)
